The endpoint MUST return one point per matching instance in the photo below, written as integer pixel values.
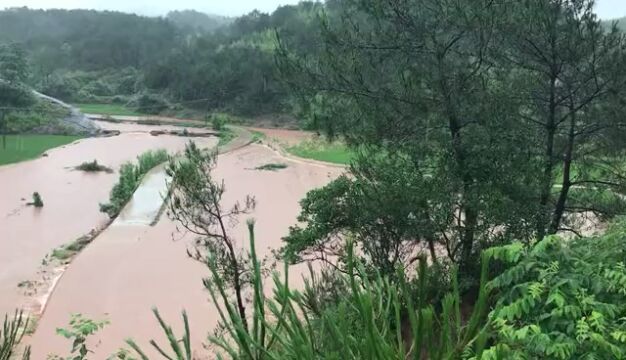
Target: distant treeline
(178, 60)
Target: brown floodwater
(131, 268)
(71, 201)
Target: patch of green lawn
(335, 152)
(26, 147)
(106, 109)
(257, 136)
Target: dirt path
(71, 201)
(130, 268)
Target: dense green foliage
(85, 39)
(563, 299)
(130, 178)
(486, 107)
(26, 147)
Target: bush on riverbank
(130, 178)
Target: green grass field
(106, 109)
(26, 147)
(336, 152)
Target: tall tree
(412, 76)
(568, 70)
(490, 102)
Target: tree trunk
(237, 274)
(566, 182)
(546, 182)
(470, 216)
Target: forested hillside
(185, 60)
(195, 21)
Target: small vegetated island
(481, 212)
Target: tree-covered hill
(195, 21)
(86, 39)
(186, 59)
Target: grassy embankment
(332, 152)
(130, 177)
(106, 109)
(26, 147)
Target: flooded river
(131, 266)
(71, 200)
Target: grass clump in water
(271, 167)
(130, 178)
(93, 166)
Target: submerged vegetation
(271, 167)
(93, 166)
(130, 177)
(67, 252)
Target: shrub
(80, 328)
(563, 299)
(219, 121)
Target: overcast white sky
(606, 9)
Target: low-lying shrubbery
(130, 178)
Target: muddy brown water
(132, 267)
(71, 201)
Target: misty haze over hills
(155, 7)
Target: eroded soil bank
(71, 201)
(129, 269)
